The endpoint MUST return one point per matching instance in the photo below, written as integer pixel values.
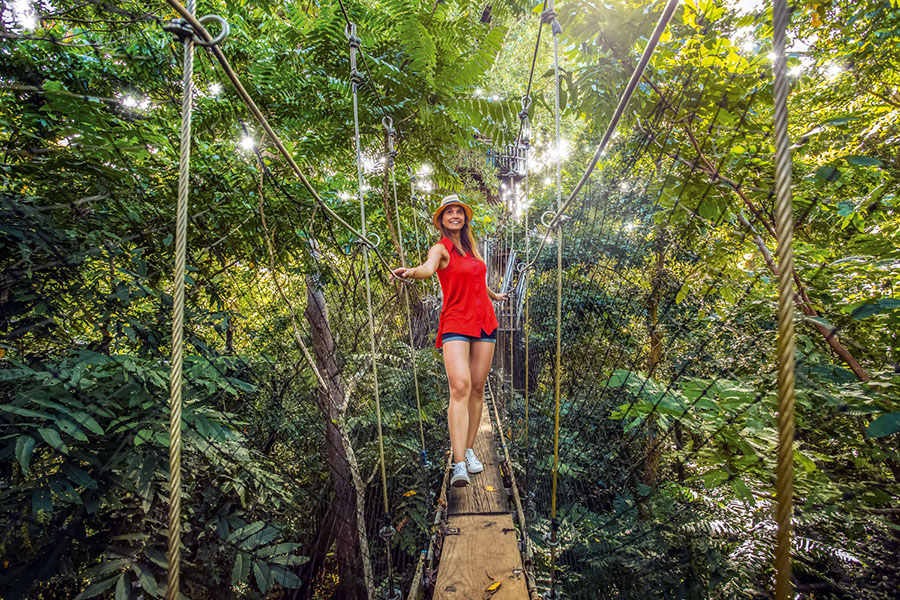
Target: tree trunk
(348, 506)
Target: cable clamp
(387, 532)
(394, 595)
(526, 104)
(548, 539)
(180, 29)
(549, 595)
(548, 17)
(350, 34)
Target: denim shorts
(484, 337)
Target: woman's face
(453, 218)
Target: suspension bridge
(360, 359)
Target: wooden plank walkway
(480, 558)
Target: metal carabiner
(544, 216)
(219, 38)
(368, 241)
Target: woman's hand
(404, 272)
(500, 297)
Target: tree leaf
(24, 450)
(884, 425)
(827, 174)
(88, 422)
(284, 577)
(24, 412)
(262, 574)
(862, 161)
(714, 477)
(72, 429)
(122, 587)
(51, 436)
(145, 576)
(882, 305)
(283, 548)
(97, 588)
(241, 570)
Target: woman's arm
(497, 297)
(426, 269)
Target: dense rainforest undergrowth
(667, 437)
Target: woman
(468, 327)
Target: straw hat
(447, 201)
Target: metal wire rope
(387, 531)
(785, 230)
(173, 553)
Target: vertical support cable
(173, 551)
(526, 142)
(392, 154)
(526, 145)
(413, 198)
(549, 17)
(509, 303)
(387, 530)
(784, 231)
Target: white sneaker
(460, 477)
(473, 465)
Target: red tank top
(467, 308)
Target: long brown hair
(466, 238)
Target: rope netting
(299, 358)
(635, 378)
(641, 420)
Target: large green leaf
(25, 412)
(145, 576)
(94, 589)
(51, 436)
(884, 425)
(24, 449)
(262, 574)
(876, 307)
(241, 569)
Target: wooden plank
(485, 494)
(485, 552)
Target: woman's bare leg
(481, 354)
(456, 362)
